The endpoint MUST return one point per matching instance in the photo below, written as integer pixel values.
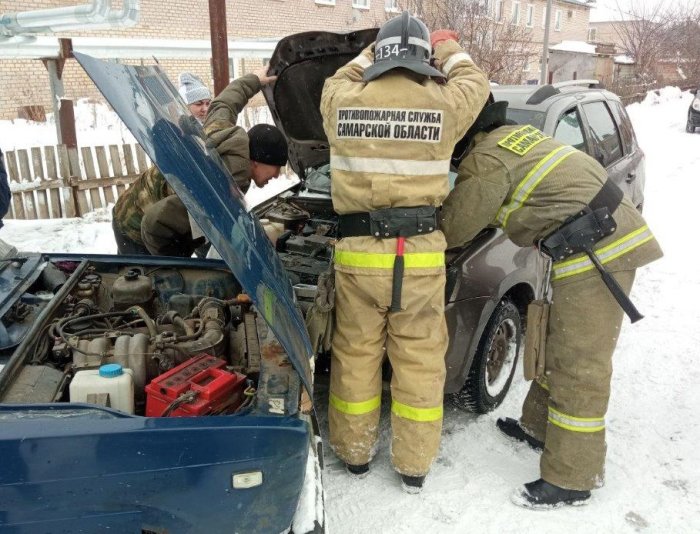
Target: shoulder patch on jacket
(522, 140)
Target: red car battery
(211, 387)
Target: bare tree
(500, 48)
(682, 43)
(643, 34)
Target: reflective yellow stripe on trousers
(422, 415)
(576, 424)
(605, 254)
(355, 408)
(412, 260)
(532, 180)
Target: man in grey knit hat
(150, 219)
(196, 95)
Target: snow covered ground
(653, 467)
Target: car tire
(689, 126)
(495, 361)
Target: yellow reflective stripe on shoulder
(605, 254)
(522, 140)
(411, 260)
(576, 424)
(399, 167)
(355, 408)
(532, 180)
(422, 415)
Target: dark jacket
(5, 194)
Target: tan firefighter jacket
(528, 184)
(391, 140)
(223, 135)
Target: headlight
(696, 104)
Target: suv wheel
(689, 126)
(494, 362)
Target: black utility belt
(389, 222)
(584, 229)
(578, 234)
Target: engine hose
(150, 324)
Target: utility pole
(545, 45)
(219, 44)
(62, 107)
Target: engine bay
(150, 340)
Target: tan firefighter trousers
(415, 340)
(567, 408)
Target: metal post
(545, 45)
(57, 92)
(219, 44)
(62, 108)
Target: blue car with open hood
(154, 395)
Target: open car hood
(302, 62)
(152, 109)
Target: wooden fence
(58, 182)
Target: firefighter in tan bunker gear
(392, 124)
(518, 179)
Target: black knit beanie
(267, 145)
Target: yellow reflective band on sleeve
(576, 424)
(528, 184)
(605, 254)
(522, 140)
(355, 408)
(412, 260)
(422, 415)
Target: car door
(606, 146)
(635, 172)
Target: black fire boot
(412, 484)
(541, 495)
(357, 471)
(512, 428)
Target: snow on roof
(624, 59)
(574, 46)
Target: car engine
(189, 340)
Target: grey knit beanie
(192, 89)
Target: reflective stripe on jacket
(523, 181)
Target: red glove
(439, 36)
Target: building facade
(25, 82)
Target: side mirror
(694, 91)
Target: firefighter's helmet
(403, 41)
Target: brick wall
(25, 82)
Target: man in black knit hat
(151, 217)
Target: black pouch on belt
(581, 232)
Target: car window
(525, 116)
(607, 148)
(569, 130)
(625, 125)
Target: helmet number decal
(387, 51)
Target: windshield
(526, 116)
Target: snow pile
(660, 96)
(624, 59)
(580, 47)
(96, 125)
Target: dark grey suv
(693, 113)
(589, 118)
